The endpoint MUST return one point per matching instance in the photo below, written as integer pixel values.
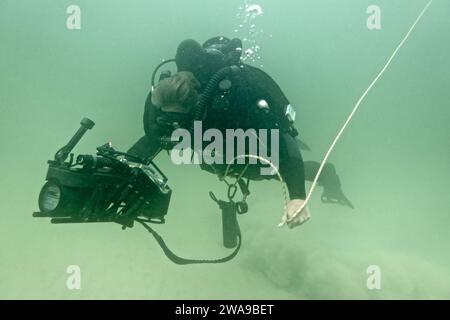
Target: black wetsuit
(239, 109)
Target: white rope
(266, 161)
(336, 139)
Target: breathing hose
(206, 96)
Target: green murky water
(393, 160)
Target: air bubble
(255, 10)
(252, 37)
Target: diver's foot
(332, 190)
(337, 199)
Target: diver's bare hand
(292, 208)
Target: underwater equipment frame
(111, 186)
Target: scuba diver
(214, 86)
